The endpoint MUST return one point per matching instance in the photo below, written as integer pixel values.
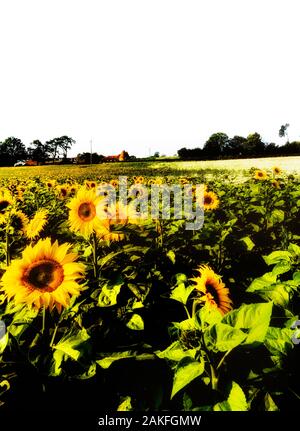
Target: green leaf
(248, 242)
(135, 323)
(294, 249)
(3, 342)
(207, 316)
(277, 216)
(187, 370)
(175, 352)
(221, 337)
(71, 345)
(279, 340)
(171, 256)
(125, 405)
(270, 406)
(109, 358)
(235, 402)
(281, 268)
(253, 319)
(296, 276)
(181, 293)
(277, 256)
(109, 294)
(261, 283)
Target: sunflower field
(126, 314)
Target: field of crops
(103, 309)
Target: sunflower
(45, 276)
(90, 184)
(62, 191)
(83, 217)
(260, 175)
(20, 191)
(18, 220)
(276, 184)
(73, 189)
(50, 184)
(212, 290)
(138, 180)
(210, 201)
(276, 170)
(36, 224)
(114, 183)
(183, 181)
(6, 199)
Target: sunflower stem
(7, 248)
(53, 335)
(94, 247)
(44, 319)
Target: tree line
(220, 146)
(13, 149)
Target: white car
(20, 163)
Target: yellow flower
(18, 220)
(260, 175)
(276, 184)
(62, 191)
(36, 224)
(114, 183)
(277, 170)
(83, 216)
(210, 201)
(45, 276)
(90, 184)
(138, 180)
(183, 181)
(73, 189)
(212, 290)
(6, 199)
(50, 184)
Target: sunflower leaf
(187, 370)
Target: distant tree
(254, 146)
(38, 151)
(215, 145)
(59, 146)
(12, 150)
(235, 146)
(292, 148)
(283, 131)
(156, 154)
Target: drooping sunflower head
(6, 200)
(260, 174)
(83, 217)
(212, 290)
(36, 224)
(18, 220)
(275, 184)
(210, 201)
(276, 170)
(46, 276)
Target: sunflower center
(208, 200)
(3, 206)
(45, 275)
(210, 288)
(87, 211)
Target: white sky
(148, 74)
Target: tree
(85, 158)
(215, 145)
(12, 150)
(38, 152)
(57, 145)
(283, 131)
(254, 146)
(235, 146)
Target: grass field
(176, 168)
(102, 310)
